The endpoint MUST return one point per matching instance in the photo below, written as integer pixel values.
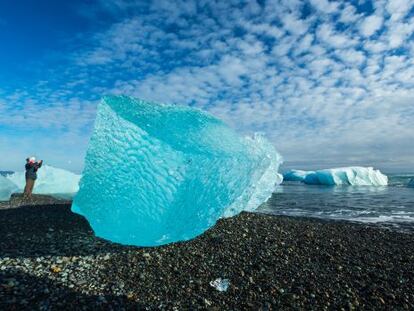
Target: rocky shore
(17, 200)
(50, 260)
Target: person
(31, 175)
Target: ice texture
(50, 180)
(6, 188)
(354, 175)
(157, 173)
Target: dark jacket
(31, 169)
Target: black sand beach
(50, 260)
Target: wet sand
(50, 260)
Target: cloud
(370, 25)
(351, 57)
(349, 14)
(294, 25)
(327, 35)
(325, 6)
(398, 8)
(398, 33)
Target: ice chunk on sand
(156, 174)
(6, 188)
(50, 180)
(354, 175)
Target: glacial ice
(6, 188)
(354, 175)
(156, 174)
(313, 179)
(279, 179)
(295, 175)
(50, 180)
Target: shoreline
(50, 258)
(400, 227)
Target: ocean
(391, 205)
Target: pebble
(277, 265)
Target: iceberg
(6, 188)
(295, 175)
(50, 180)
(156, 173)
(312, 178)
(354, 176)
(411, 183)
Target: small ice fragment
(220, 284)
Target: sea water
(389, 205)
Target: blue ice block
(156, 173)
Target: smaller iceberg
(411, 183)
(6, 188)
(50, 180)
(354, 176)
(312, 178)
(295, 175)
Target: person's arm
(37, 165)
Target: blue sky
(329, 82)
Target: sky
(330, 83)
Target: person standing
(31, 175)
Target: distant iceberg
(354, 176)
(156, 174)
(6, 188)
(295, 175)
(50, 180)
(411, 183)
(312, 178)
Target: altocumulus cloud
(329, 82)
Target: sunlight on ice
(156, 173)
